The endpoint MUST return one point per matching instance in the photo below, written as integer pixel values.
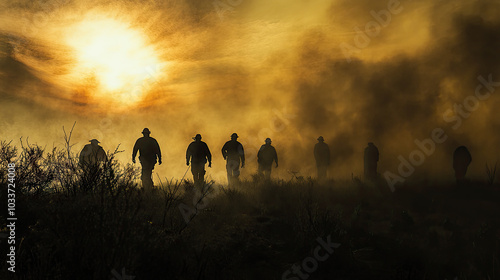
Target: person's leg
(150, 176)
(194, 172)
(261, 171)
(147, 172)
(267, 173)
(321, 172)
(199, 174)
(373, 171)
(236, 172)
(229, 173)
(201, 178)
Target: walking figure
(371, 159)
(322, 156)
(265, 157)
(92, 154)
(149, 151)
(233, 153)
(461, 161)
(198, 153)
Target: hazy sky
(388, 72)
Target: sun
(116, 57)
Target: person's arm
(82, 155)
(101, 155)
(188, 154)
(328, 155)
(134, 152)
(316, 152)
(275, 157)
(209, 156)
(224, 151)
(158, 152)
(242, 156)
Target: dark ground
(99, 225)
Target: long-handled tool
(185, 172)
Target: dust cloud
(388, 72)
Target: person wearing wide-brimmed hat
(92, 154)
(149, 151)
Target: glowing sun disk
(116, 56)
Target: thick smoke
(289, 70)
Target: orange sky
(352, 71)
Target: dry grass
(77, 224)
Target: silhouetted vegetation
(82, 224)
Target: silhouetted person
(233, 153)
(149, 151)
(371, 159)
(461, 161)
(199, 154)
(265, 157)
(92, 154)
(322, 156)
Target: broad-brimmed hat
(268, 140)
(321, 138)
(234, 135)
(198, 136)
(146, 131)
(94, 140)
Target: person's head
(197, 137)
(146, 131)
(94, 142)
(321, 139)
(370, 143)
(268, 141)
(234, 136)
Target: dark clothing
(198, 171)
(147, 174)
(91, 155)
(266, 155)
(322, 156)
(265, 171)
(233, 171)
(233, 152)
(149, 151)
(322, 171)
(198, 153)
(371, 158)
(461, 161)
